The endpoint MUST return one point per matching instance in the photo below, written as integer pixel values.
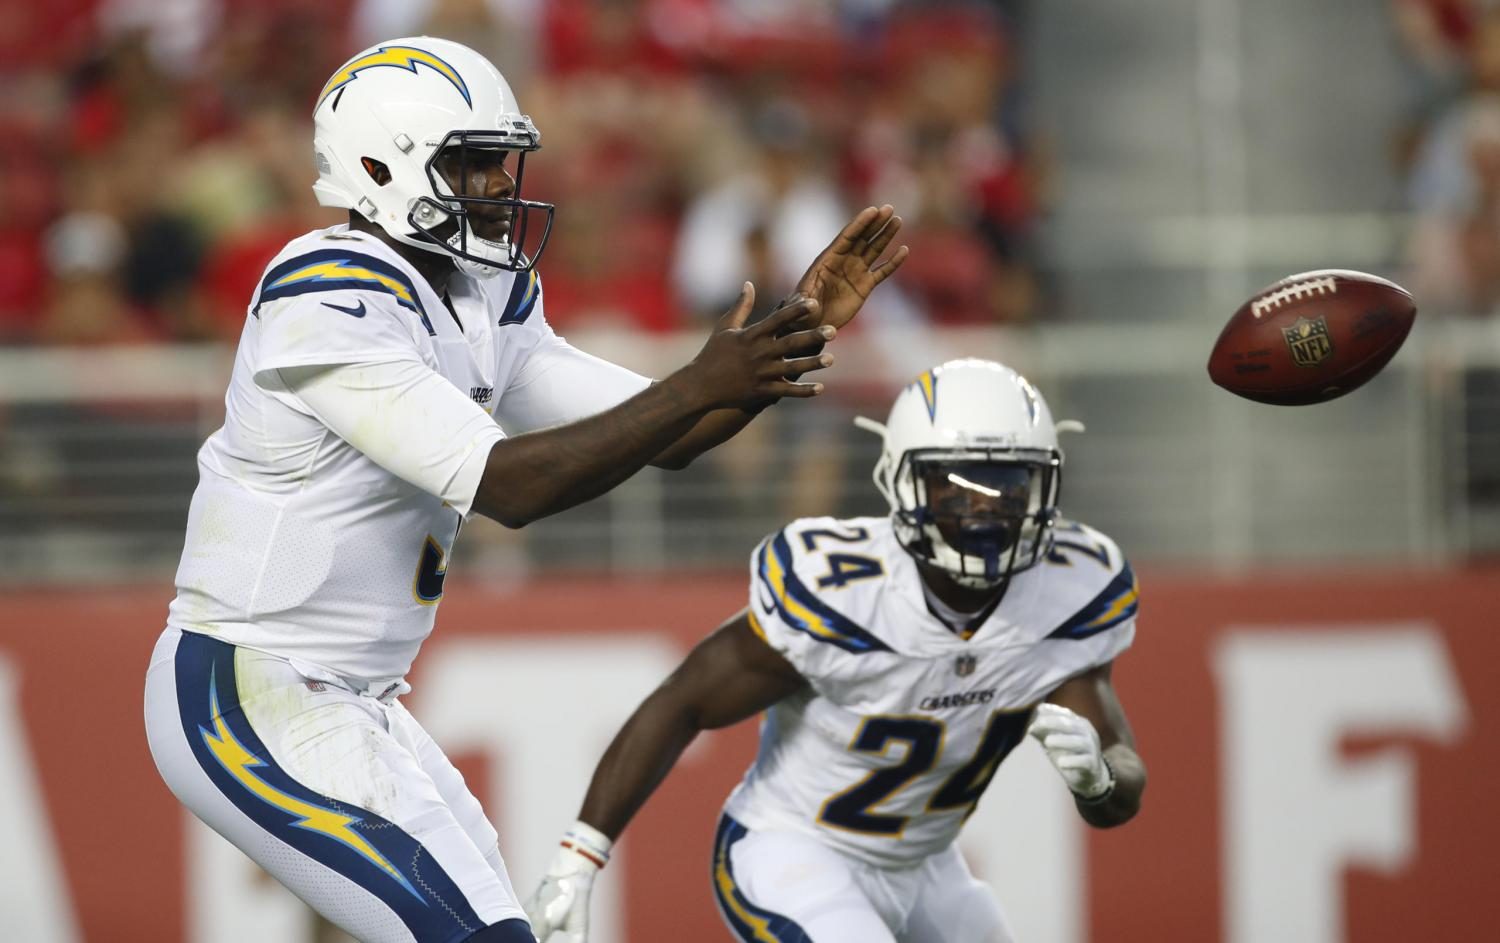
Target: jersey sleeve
(821, 642)
(407, 419)
(1104, 626)
(557, 383)
(337, 307)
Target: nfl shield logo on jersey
(964, 665)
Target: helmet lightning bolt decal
(238, 762)
(400, 57)
(928, 384)
(1031, 396)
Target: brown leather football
(1311, 337)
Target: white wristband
(588, 842)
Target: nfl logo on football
(1309, 341)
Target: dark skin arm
(1091, 696)
(839, 281)
(841, 277)
(721, 425)
(729, 676)
(531, 476)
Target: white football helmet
(403, 103)
(981, 435)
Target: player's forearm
(721, 425)
(712, 430)
(1124, 800)
(537, 474)
(642, 754)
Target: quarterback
(396, 375)
(899, 660)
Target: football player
(395, 376)
(899, 660)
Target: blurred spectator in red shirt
(26, 205)
(967, 189)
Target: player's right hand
(747, 366)
(559, 910)
(1072, 744)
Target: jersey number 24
(923, 736)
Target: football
(1311, 337)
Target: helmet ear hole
(378, 171)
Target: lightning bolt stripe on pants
(363, 847)
(750, 923)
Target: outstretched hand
(844, 274)
(748, 366)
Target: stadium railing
(97, 456)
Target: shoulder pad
(787, 582)
(821, 534)
(323, 270)
(525, 292)
(1072, 540)
(1108, 593)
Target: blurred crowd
(1451, 154)
(154, 154)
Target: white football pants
(342, 797)
(786, 887)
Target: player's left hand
(559, 910)
(844, 274)
(1072, 744)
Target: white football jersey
(905, 721)
(299, 544)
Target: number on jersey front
(432, 570)
(964, 788)
(852, 808)
(923, 744)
